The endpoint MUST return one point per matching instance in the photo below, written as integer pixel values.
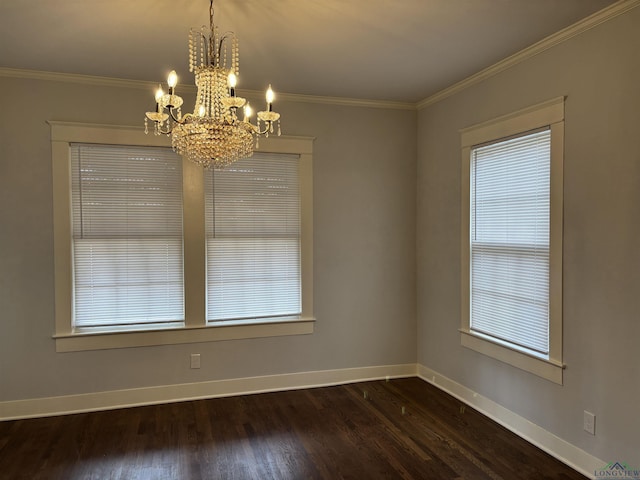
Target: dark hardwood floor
(403, 428)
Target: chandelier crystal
(213, 136)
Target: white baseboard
(89, 402)
(564, 451)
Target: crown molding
(75, 78)
(349, 102)
(150, 86)
(561, 36)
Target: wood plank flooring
(404, 428)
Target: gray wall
(364, 288)
(599, 72)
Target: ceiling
(398, 50)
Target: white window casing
(511, 242)
(135, 230)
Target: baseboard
(564, 451)
(89, 402)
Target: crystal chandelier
(213, 135)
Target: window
(512, 239)
(253, 239)
(150, 249)
(127, 236)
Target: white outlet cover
(589, 422)
(195, 360)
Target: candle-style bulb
(248, 111)
(233, 80)
(172, 80)
(270, 95)
(159, 94)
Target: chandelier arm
(173, 116)
(208, 48)
(182, 121)
(164, 132)
(224, 37)
(256, 129)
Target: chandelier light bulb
(248, 111)
(233, 80)
(159, 94)
(172, 81)
(270, 95)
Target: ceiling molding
(349, 102)
(75, 78)
(150, 86)
(577, 28)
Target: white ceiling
(401, 50)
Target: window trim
(195, 327)
(547, 114)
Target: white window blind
(127, 235)
(510, 188)
(252, 212)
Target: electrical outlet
(195, 360)
(589, 422)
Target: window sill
(76, 342)
(537, 365)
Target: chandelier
(213, 136)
